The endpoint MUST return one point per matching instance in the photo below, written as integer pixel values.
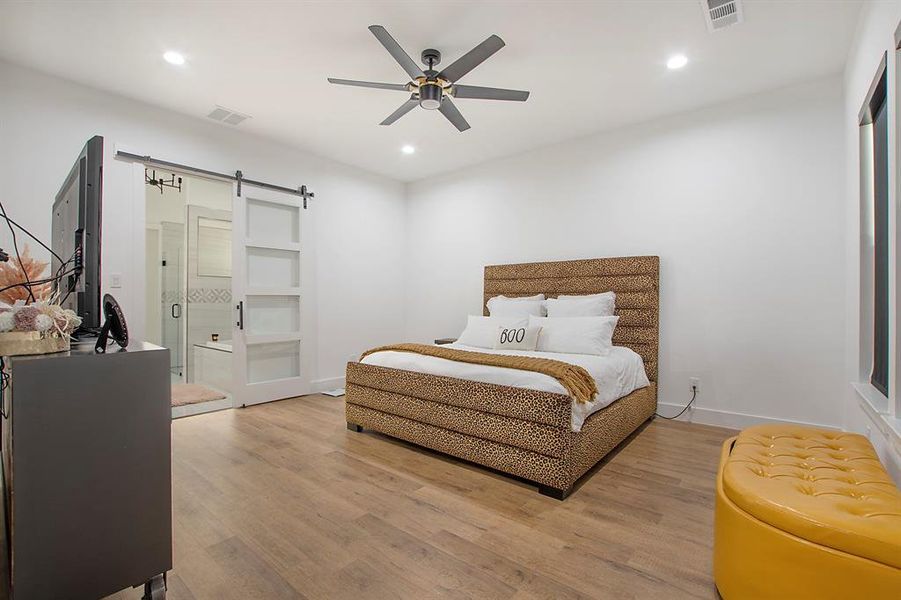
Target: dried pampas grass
(20, 271)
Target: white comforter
(618, 374)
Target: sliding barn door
(272, 341)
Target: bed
(526, 433)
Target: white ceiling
(589, 65)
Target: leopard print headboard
(635, 279)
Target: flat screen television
(76, 235)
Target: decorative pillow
(516, 338)
(593, 305)
(517, 308)
(575, 335)
(481, 332)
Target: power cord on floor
(694, 394)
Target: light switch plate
(115, 280)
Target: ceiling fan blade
(453, 115)
(404, 109)
(400, 87)
(488, 93)
(396, 51)
(472, 59)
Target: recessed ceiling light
(174, 58)
(676, 61)
(408, 149)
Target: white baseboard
(330, 383)
(721, 418)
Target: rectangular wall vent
(720, 14)
(227, 115)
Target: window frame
(882, 91)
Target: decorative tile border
(198, 296)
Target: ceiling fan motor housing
(430, 95)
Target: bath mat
(193, 393)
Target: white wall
(875, 36)
(168, 205)
(358, 217)
(743, 202)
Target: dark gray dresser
(87, 472)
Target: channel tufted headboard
(635, 279)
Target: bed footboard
(521, 432)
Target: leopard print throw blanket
(577, 381)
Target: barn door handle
(172, 311)
(240, 308)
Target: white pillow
(495, 300)
(516, 338)
(595, 305)
(587, 295)
(517, 308)
(482, 331)
(601, 295)
(575, 335)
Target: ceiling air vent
(720, 14)
(227, 115)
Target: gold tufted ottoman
(805, 513)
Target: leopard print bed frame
(521, 432)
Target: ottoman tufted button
(806, 489)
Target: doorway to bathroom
(189, 286)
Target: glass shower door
(208, 326)
(173, 296)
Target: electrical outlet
(115, 280)
(694, 384)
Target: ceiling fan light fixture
(430, 96)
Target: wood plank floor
(281, 501)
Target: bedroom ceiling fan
(431, 89)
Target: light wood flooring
(281, 501)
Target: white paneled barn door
(272, 341)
